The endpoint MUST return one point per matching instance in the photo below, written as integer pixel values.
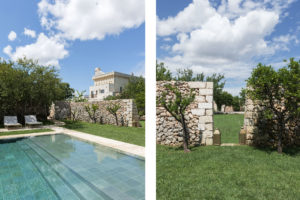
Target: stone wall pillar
(199, 115)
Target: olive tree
(279, 92)
(113, 109)
(91, 110)
(177, 107)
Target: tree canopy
(29, 88)
(279, 93)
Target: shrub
(29, 88)
(279, 95)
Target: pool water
(62, 167)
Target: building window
(92, 94)
(121, 89)
(101, 91)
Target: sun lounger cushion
(11, 121)
(31, 120)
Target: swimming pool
(63, 167)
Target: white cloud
(244, 38)
(226, 39)
(7, 50)
(283, 42)
(30, 33)
(12, 36)
(47, 50)
(165, 47)
(186, 20)
(235, 91)
(91, 19)
(167, 39)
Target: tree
(279, 93)
(79, 96)
(236, 103)
(219, 84)
(177, 108)
(187, 75)
(243, 96)
(75, 112)
(91, 110)
(162, 73)
(226, 98)
(67, 90)
(135, 89)
(29, 88)
(113, 109)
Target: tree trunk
(116, 117)
(95, 118)
(185, 135)
(279, 147)
(281, 133)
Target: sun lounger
(30, 120)
(11, 122)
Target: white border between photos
(150, 75)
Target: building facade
(107, 84)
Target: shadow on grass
(72, 124)
(180, 148)
(291, 151)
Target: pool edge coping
(122, 147)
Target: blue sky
(228, 36)
(75, 36)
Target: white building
(107, 84)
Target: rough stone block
(209, 112)
(199, 112)
(249, 136)
(206, 92)
(249, 142)
(209, 127)
(207, 133)
(197, 84)
(209, 99)
(248, 114)
(205, 105)
(200, 99)
(209, 141)
(250, 129)
(205, 119)
(209, 85)
(201, 127)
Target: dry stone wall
(199, 115)
(253, 123)
(127, 114)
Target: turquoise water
(62, 167)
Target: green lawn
(25, 132)
(131, 135)
(214, 172)
(229, 126)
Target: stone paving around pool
(129, 149)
